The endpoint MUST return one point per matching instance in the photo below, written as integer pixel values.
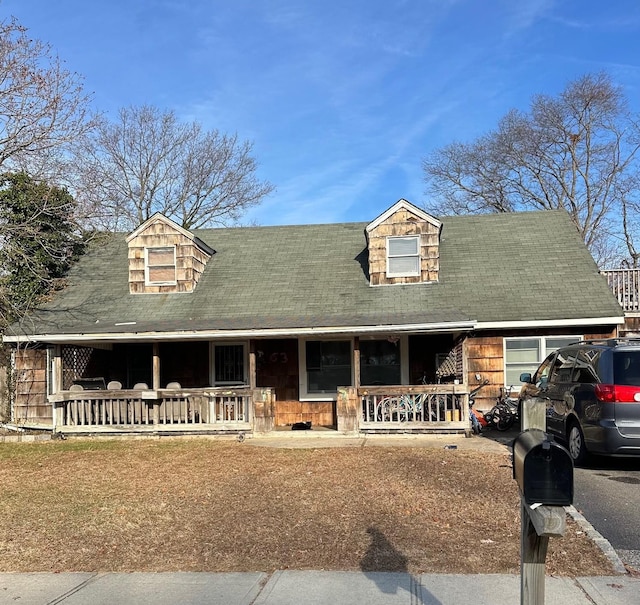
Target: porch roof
(519, 269)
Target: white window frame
(302, 356)
(415, 255)
(212, 365)
(401, 351)
(543, 351)
(147, 280)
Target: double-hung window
(526, 354)
(160, 266)
(403, 256)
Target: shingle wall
(190, 259)
(403, 223)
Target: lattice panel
(74, 364)
(451, 366)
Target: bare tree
(43, 107)
(631, 218)
(577, 151)
(43, 112)
(148, 161)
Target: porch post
(156, 382)
(263, 410)
(57, 386)
(347, 409)
(156, 366)
(465, 360)
(356, 362)
(252, 364)
(57, 369)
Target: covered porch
(349, 384)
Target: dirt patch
(203, 505)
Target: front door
(277, 367)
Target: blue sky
(342, 99)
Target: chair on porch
(177, 408)
(77, 410)
(140, 409)
(119, 407)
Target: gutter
(548, 323)
(418, 328)
(428, 328)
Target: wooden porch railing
(625, 285)
(166, 408)
(442, 407)
(439, 406)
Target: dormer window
(404, 246)
(403, 256)
(165, 258)
(160, 266)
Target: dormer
(404, 246)
(164, 258)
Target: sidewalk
(304, 588)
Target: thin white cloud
(604, 20)
(523, 14)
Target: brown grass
(205, 505)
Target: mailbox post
(544, 472)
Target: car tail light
(616, 393)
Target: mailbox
(543, 469)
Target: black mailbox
(543, 469)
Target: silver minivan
(591, 390)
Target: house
(379, 326)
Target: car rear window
(626, 367)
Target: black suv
(592, 394)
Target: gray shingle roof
(521, 267)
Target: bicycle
(419, 407)
(504, 413)
(406, 408)
(402, 408)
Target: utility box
(543, 469)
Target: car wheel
(575, 440)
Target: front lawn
(207, 505)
